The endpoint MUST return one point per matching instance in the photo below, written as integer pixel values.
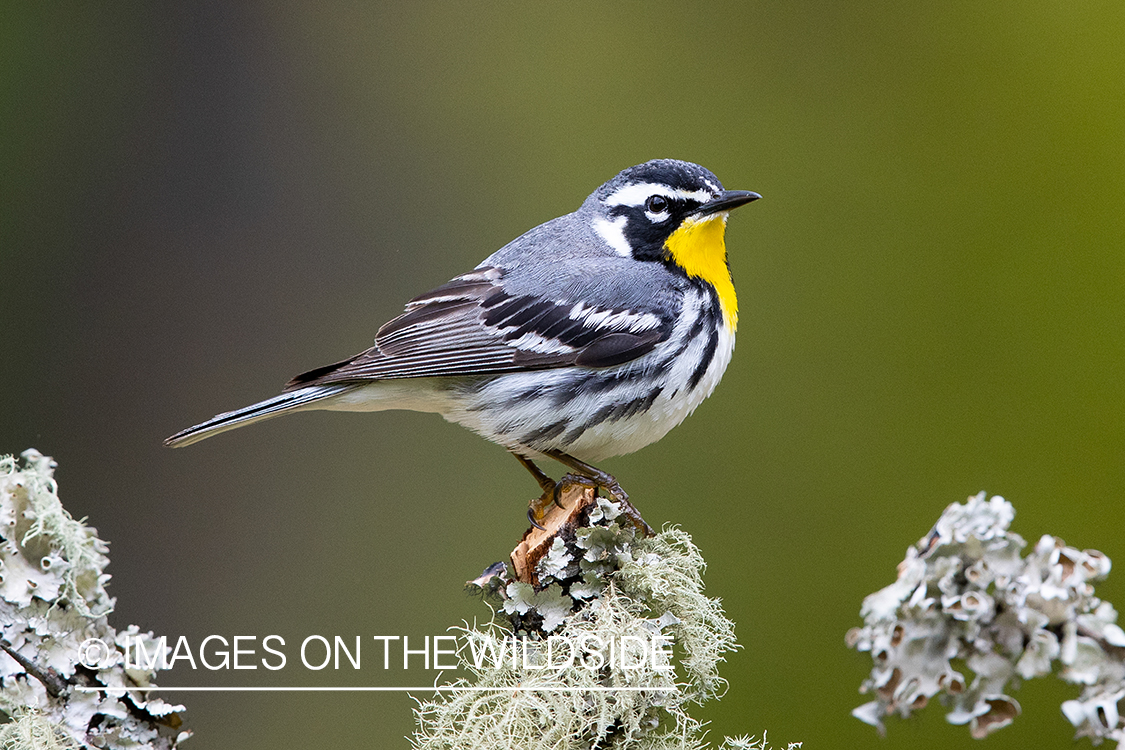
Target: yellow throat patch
(699, 247)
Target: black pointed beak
(727, 200)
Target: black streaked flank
(705, 360)
(598, 417)
(547, 432)
(603, 382)
(476, 384)
(707, 317)
(593, 385)
(614, 412)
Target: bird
(588, 337)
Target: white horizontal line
(370, 689)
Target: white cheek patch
(613, 232)
(637, 193)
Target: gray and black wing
(474, 326)
(470, 326)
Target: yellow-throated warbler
(590, 336)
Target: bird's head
(671, 212)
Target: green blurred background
(202, 200)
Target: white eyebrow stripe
(637, 193)
(613, 232)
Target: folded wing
(472, 326)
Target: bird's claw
(531, 515)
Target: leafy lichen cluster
(53, 616)
(965, 598)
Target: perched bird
(590, 336)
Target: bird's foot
(553, 494)
(615, 493)
(537, 508)
(573, 480)
(584, 475)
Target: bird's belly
(593, 414)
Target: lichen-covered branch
(600, 638)
(54, 619)
(604, 643)
(965, 595)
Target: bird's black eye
(656, 204)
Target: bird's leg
(604, 480)
(537, 508)
(601, 479)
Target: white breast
(596, 414)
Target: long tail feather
(273, 407)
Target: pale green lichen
(643, 593)
(751, 743)
(47, 554)
(666, 572)
(31, 730)
(964, 593)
